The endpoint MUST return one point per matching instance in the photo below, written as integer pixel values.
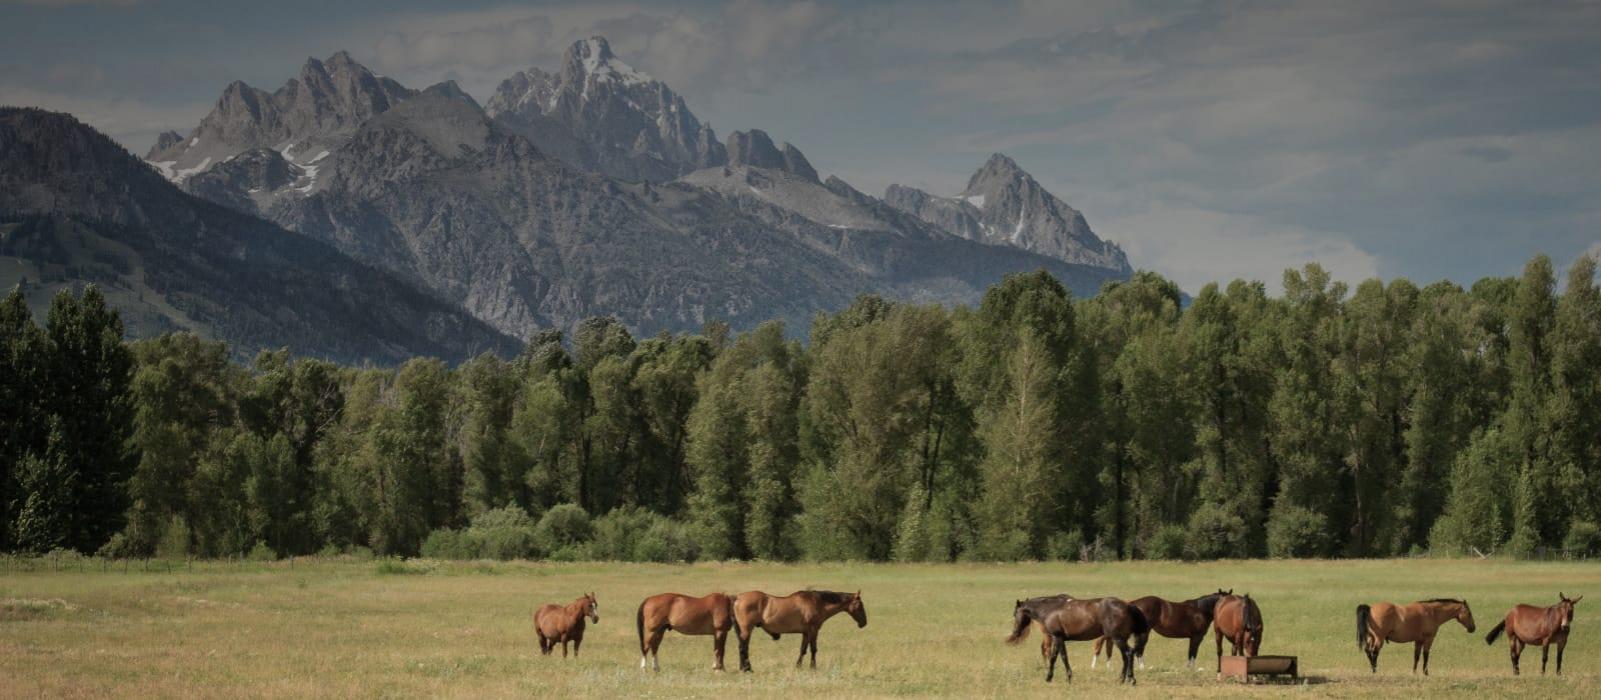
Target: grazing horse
(712, 615)
(1418, 622)
(1065, 619)
(1237, 618)
(1188, 619)
(1526, 624)
(555, 623)
(802, 612)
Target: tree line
(1322, 422)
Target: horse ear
(1561, 597)
(1575, 601)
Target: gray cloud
(1211, 137)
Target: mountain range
(589, 190)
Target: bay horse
(801, 612)
(1189, 619)
(555, 623)
(1527, 624)
(1065, 619)
(1239, 619)
(1419, 622)
(710, 615)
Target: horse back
(1531, 624)
(698, 616)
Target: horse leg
(1128, 660)
(719, 642)
(1428, 644)
(1417, 655)
(654, 645)
(1050, 658)
(1217, 636)
(1517, 651)
(1561, 646)
(577, 642)
(1373, 653)
(1095, 652)
(1545, 653)
(744, 648)
(802, 658)
(1066, 667)
(1195, 648)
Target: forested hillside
(1385, 420)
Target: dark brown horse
(1237, 618)
(1419, 622)
(802, 612)
(1526, 624)
(555, 623)
(712, 615)
(1066, 619)
(1189, 619)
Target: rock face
(590, 191)
(306, 118)
(597, 113)
(91, 212)
(1003, 205)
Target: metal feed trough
(1243, 667)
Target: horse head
(1465, 616)
(1565, 610)
(1022, 615)
(857, 610)
(591, 608)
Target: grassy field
(362, 628)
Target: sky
(1212, 140)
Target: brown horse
(1237, 618)
(555, 623)
(1526, 624)
(1188, 619)
(802, 612)
(712, 615)
(1418, 622)
(1066, 619)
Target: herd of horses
(1108, 622)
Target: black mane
(1457, 601)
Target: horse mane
(832, 597)
(1456, 601)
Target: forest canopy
(1322, 422)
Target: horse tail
(639, 625)
(1496, 632)
(1141, 627)
(1248, 619)
(1362, 626)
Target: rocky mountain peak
(1004, 205)
(998, 170)
(755, 149)
(167, 139)
(598, 113)
(311, 114)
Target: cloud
(1196, 246)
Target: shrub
(174, 541)
(564, 527)
(1065, 546)
(444, 543)
(634, 534)
(502, 533)
(1215, 533)
(1166, 543)
(1583, 540)
(1295, 532)
(261, 552)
